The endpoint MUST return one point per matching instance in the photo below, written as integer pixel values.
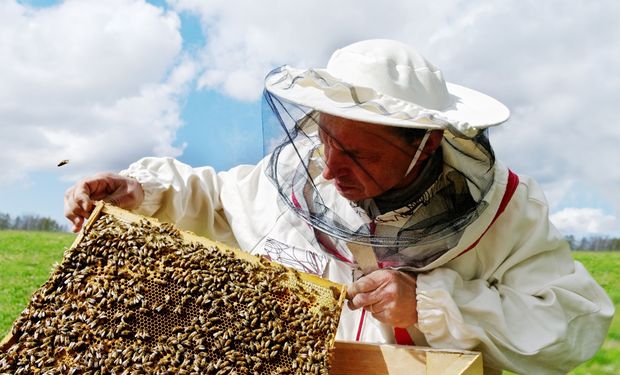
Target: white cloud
(113, 72)
(243, 45)
(94, 82)
(554, 63)
(584, 221)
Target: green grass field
(604, 267)
(26, 259)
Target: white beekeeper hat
(387, 82)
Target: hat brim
(469, 110)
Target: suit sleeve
(528, 308)
(186, 196)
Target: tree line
(30, 222)
(594, 243)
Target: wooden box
(353, 358)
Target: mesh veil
(409, 229)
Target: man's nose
(336, 162)
(327, 173)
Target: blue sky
(105, 83)
(208, 118)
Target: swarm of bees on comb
(138, 297)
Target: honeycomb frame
(133, 295)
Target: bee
(63, 162)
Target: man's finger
(365, 299)
(368, 283)
(74, 207)
(364, 285)
(77, 224)
(355, 304)
(79, 199)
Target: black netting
(408, 226)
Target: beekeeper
(379, 174)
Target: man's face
(364, 160)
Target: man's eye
(355, 155)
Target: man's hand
(388, 294)
(121, 191)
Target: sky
(104, 83)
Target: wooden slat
(352, 358)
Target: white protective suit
(516, 294)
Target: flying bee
(63, 162)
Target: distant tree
(572, 241)
(594, 243)
(17, 223)
(5, 221)
(30, 222)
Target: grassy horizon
(26, 260)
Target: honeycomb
(135, 296)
